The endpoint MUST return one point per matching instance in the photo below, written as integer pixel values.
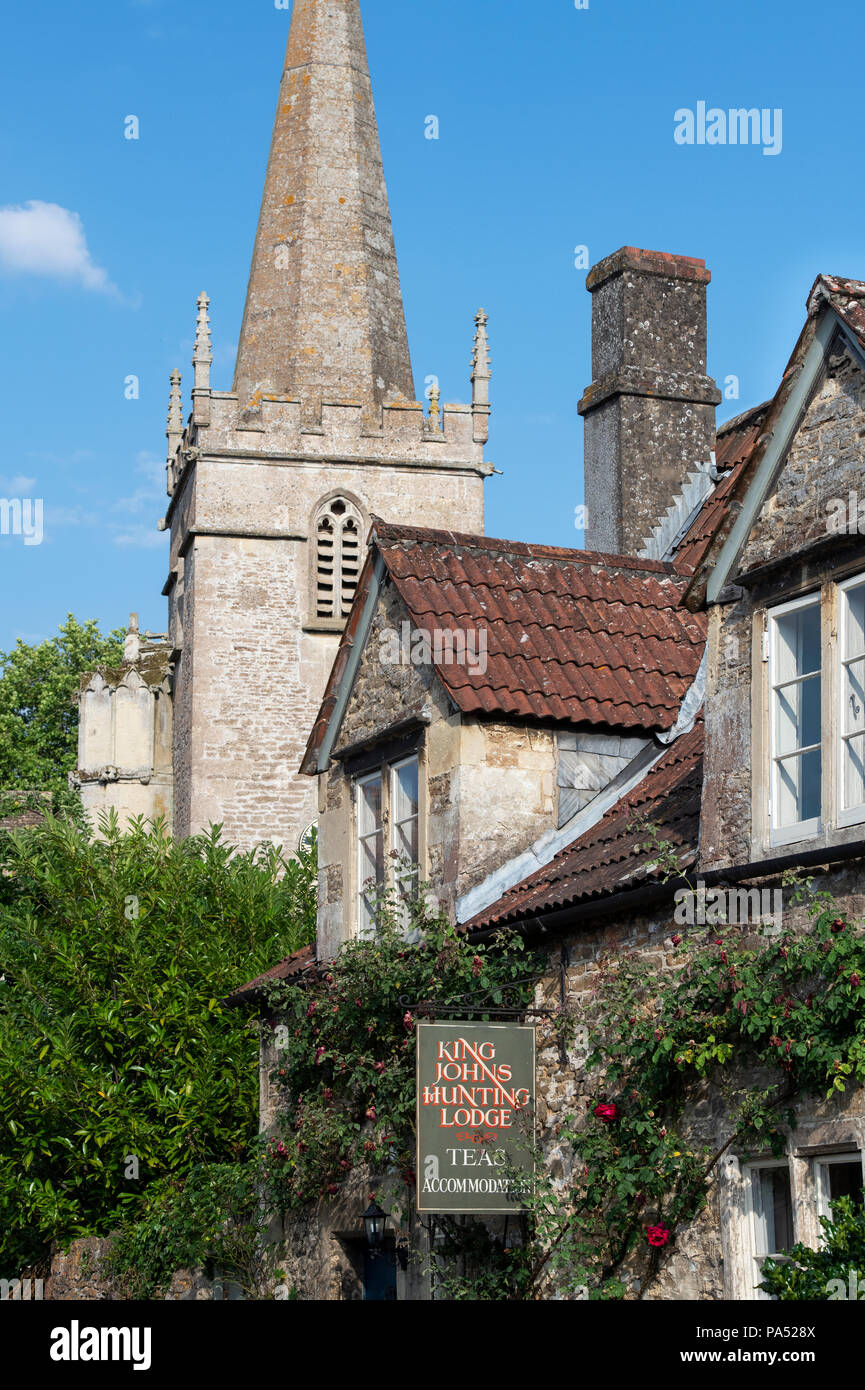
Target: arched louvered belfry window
(337, 561)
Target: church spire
(324, 316)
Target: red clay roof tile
(572, 636)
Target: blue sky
(556, 131)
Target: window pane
(369, 806)
(845, 1180)
(855, 638)
(798, 789)
(854, 772)
(798, 643)
(776, 1207)
(854, 697)
(372, 858)
(797, 715)
(405, 790)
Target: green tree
(38, 714)
(115, 955)
(824, 1275)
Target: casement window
(405, 820)
(851, 719)
(795, 719)
(769, 1213)
(778, 1195)
(337, 558)
(388, 835)
(370, 849)
(838, 1175)
(815, 648)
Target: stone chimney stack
(650, 410)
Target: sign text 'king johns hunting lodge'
(475, 1115)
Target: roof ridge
(736, 420)
(387, 532)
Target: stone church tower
(273, 483)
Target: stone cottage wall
(706, 1261)
(490, 786)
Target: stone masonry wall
(258, 659)
(487, 788)
(705, 1261)
(824, 462)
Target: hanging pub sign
(475, 1116)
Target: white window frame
(386, 773)
(855, 815)
(400, 876)
(362, 926)
(807, 829)
(821, 1186)
(753, 1218)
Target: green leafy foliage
(628, 1173)
(209, 1219)
(789, 1005)
(825, 1274)
(347, 1053)
(38, 713)
(115, 955)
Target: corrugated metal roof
(297, 964)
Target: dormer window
(337, 561)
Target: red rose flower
(676, 940)
(657, 1236)
(605, 1112)
(854, 980)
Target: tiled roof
(571, 635)
(299, 963)
(736, 441)
(742, 442)
(610, 857)
(847, 298)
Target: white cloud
(141, 537)
(46, 239)
(57, 517)
(152, 493)
(17, 486)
